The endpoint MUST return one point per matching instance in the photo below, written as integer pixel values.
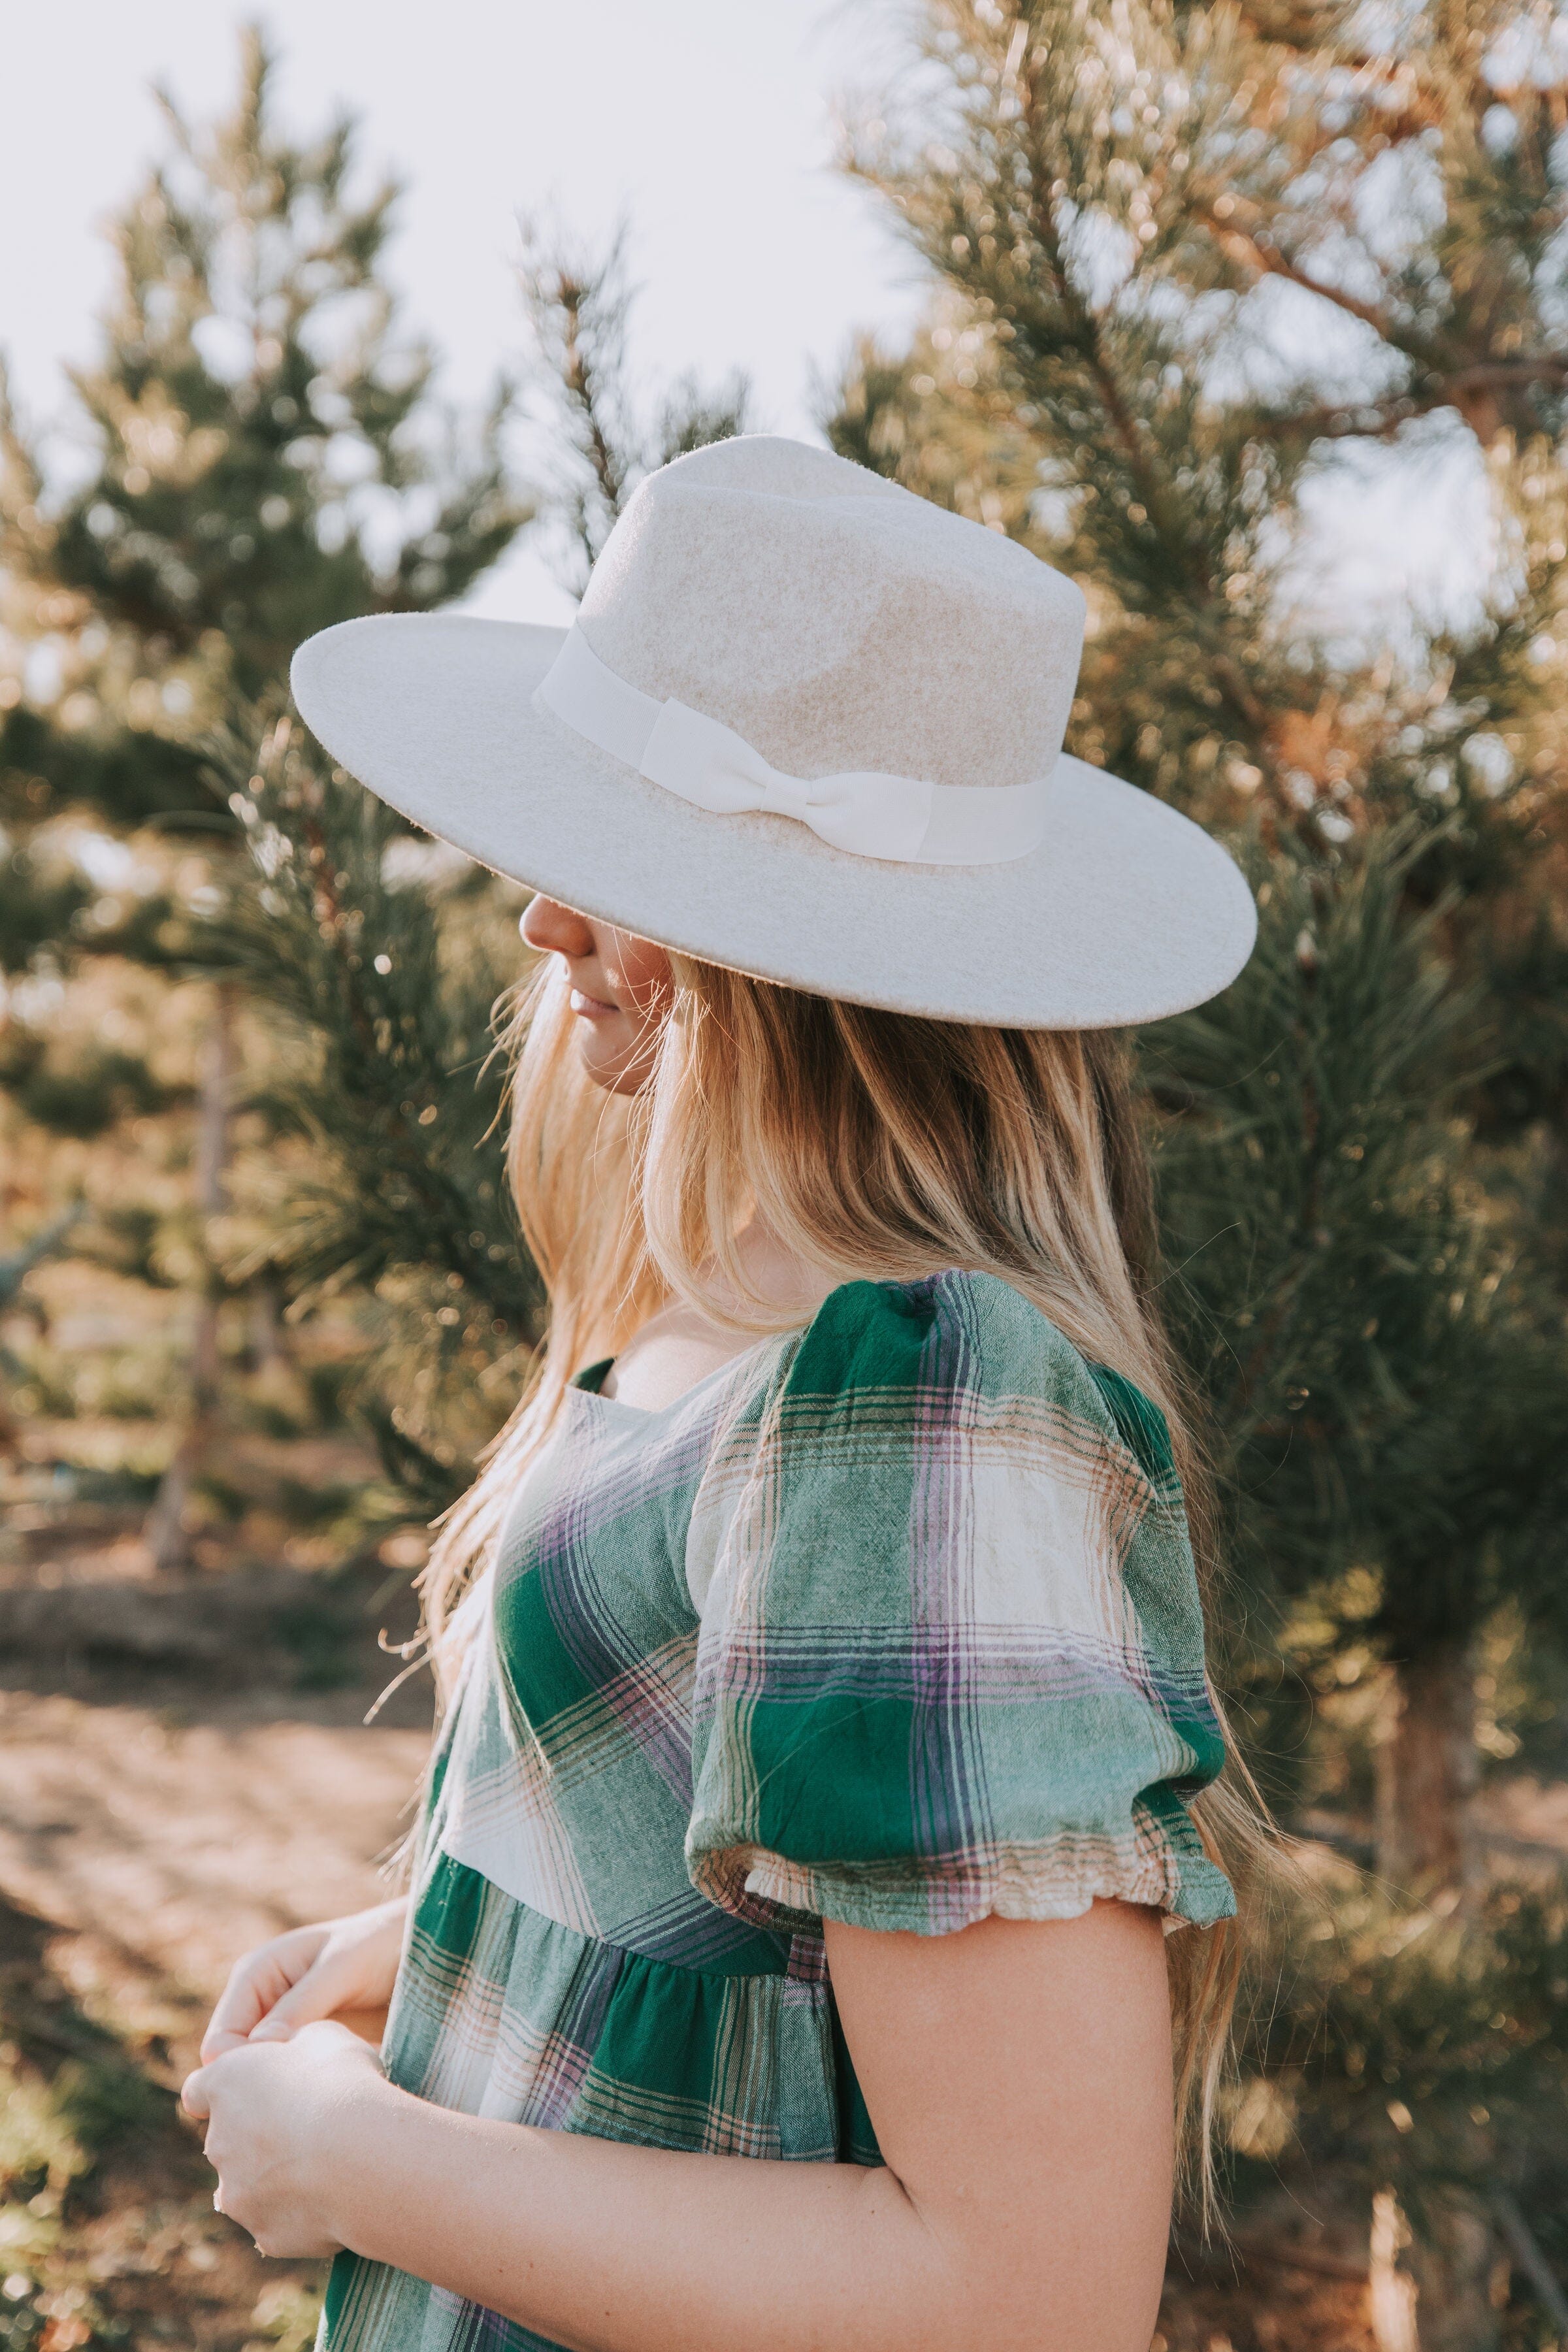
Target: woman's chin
(611, 1062)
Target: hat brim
(1127, 911)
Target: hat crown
(834, 620)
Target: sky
(709, 124)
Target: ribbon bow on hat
(705, 763)
(710, 765)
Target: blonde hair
(875, 1145)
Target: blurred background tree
(265, 459)
(382, 957)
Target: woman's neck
(679, 1344)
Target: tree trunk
(267, 1348)
(1392, 2293)
(165, 1532)
(1427, 1770)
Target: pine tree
(1382, 1357)
(264, 462)
(382, 960)
(603, 437)
(267, 460)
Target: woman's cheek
(640, 970)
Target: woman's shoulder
(955, 1324)
(963, 1344)
(952, 1661)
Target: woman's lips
(592, 1008)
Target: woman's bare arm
(1019, 2078)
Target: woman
(826, 1742)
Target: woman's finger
(194, 2094)
(244, 2003)
(215, 2043)
(255, 1983)
(320, 1993)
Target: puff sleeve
(952, 1654)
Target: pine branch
(580, 306)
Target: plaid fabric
(891, 1622)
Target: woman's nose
(551, 929)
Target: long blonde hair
(875, 1145)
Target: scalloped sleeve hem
(1057, 1878)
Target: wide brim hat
(808, 726)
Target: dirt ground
(185, 1770)
(172, 1837)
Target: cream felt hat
(809, 726)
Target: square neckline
(590, 1379)
(589, 1382)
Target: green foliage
(264, 457)
(259, 420)
(1421, 2049)
(1526, 975)
(84, 2118)
(35, 907)
(604, 435)
(267, 461)
(395, 1066)
(60, 2119)
(83, 1096)
(1306, 1167)
(1386, 1371)
(134, 774)
(382, 984)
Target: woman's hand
(310, 1973)
(272, 2109)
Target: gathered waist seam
(631, 1951)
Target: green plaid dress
(892, 1621)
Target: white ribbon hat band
(708, 765)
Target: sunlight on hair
(877, 1146)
